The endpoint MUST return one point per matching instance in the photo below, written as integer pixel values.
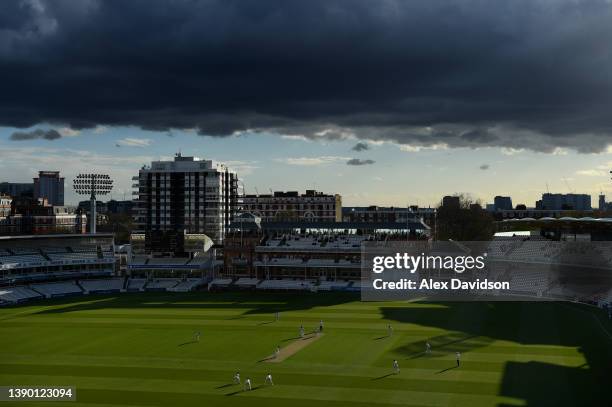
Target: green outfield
(138, 350)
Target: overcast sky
(385, 102)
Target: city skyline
(383, 174)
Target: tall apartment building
(312, 206)
(183, 196)
(50, 186)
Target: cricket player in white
(321, 326)
(247, 384)
(301, 331)
(277, 352)
(196, 336)
(269, 380)
(396, 367)
(277, 316)
(458, 356)
(427, 348)
(237, 378)
(389, 330)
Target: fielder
(269, 380)
(321, 326)
(196, 336)
(389, 330)
(237, 378)
(396, 367)
(277, 352)
(247, 384)
(277, 316)
(427, 348)
(458, 357)
(301, 331)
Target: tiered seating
(57, 289)
(219, 282)
(285, 262)
(22, 259)
(246, 282)
(285, 285)
(17, 294)
(112, 284)
(53, 249)
(337, 241)
(187, 285)
(73, 257)
(136, 284)
(528, 282)
(332, 285)
(162, 283)
(199, 261)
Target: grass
(138, 350)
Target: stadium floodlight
(92, 185)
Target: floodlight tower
(92, 185)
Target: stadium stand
(200, 261)
(106, 285)
(246, 282)
(136, 284)
(189, 284)
(57, 289)
(219, 282)
(285, 285)
(17, 294)
(333, 285)
(161, 284)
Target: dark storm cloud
(466, 73)
(361, 146)
(35, 134)
(358, 161)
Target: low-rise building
(5, 205)
(36, 217)
(312, 206)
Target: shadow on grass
(381, 337)
(383, 376)
(456, 341)
(249, 302)
(266, 359)
(224, 386)
(242, 391)
(187, 343)
(477, 325)
(447, 369)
